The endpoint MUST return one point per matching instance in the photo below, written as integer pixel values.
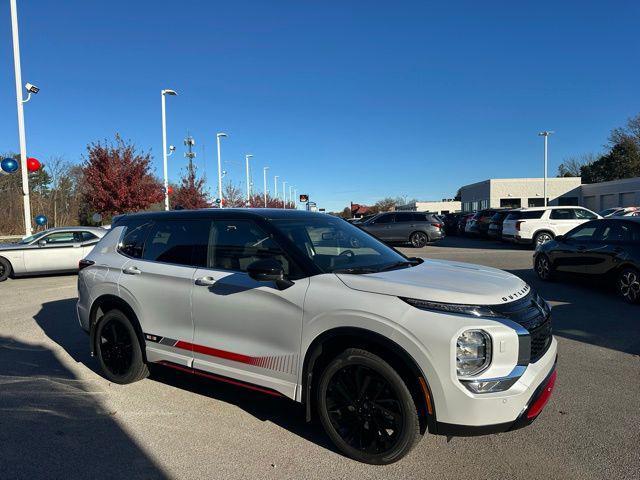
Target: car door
(158, 278)
(405, 224)
(382, 226)
(246, 329)
(607, 248)
(569, 255)
(55, 252)
(562, 220)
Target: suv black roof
(264, 213)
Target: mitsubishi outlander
(380, 348)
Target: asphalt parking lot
(60, 419)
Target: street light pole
(21, 131)
(264, 171)
(290, 193)
(275, 186)
(218, 137)
(545, 134)
(164, 93)
(284, 194)
(295, 198)
(246, 159)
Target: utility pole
(264, 171)
(218, 137)
(284, 194)
(190, 154)
(275, 186)
(246, 159)
(545, 134)
(21, 130)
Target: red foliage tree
(118, 178)
(191, 193)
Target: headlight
(456, 308)
(473, 352)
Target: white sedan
(56, 250)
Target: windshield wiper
(356, 270)
(404, 263)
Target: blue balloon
(41, 220)
(8, 165)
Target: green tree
(622, 161)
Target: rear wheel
(418, 239)
(118, 349)
(629, 285)
(544, 269)
(542, 238)
(366, 408)
(5, 269)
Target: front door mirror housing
(269, 270)
(42, 243)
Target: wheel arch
(11, 270)
(543, 230)
(331, 342)
(101, 306)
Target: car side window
(179, 242)
(388, 218)
(60, 238)
(583, 233)
(404, 217)
(419, 217)
(629, 232)
(132, 243)
(584, 214)
(236, 244)
(562, 214)
(87, 236)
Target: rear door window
(387, 218)
(562, 214)
(404, 217)
(584, 214)
(179, 242)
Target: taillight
(518, 223)
(437, 225)
(84, 263)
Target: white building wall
(616, 193)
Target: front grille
(530, 312)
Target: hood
(443, 281)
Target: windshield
(337, 246)
(32, 238)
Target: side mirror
(269, 270)
(42, 243)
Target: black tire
(628, 285)
(544, 268)
(541, 238)
(5, 269)
(383, 402)
(118, 349)
(419, 239)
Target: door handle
(131, 271)
(205, 281)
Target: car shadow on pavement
(589, 312)
(57, 320)
(53, 425)
(477, 243)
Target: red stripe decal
(214, 352)
(221, 379)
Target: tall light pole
(545, 134)
(21, 132)
(295, 198)
(290, 193)
(163, 94)
(284, 194)
(264, 171)
(275, 186)
(218, 137)
(246, 159)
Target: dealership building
(519, 192)
(434, 206)
(616, 193)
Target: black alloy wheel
(5, 269)
(366, 408)
(544, 269)
(118, 349)
(419, 239)
(629, 285)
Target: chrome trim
(504, 383)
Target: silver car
(56, 250)
(417, 228)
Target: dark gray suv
(413, 227)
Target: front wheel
(5, 269)
(629, 285)
(366, 408)
(118, 349)
(419, 239)
(542, 238)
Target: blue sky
(348, 100)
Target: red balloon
(33, 165)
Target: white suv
(379, 347)
(538, 225)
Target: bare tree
(571, 166)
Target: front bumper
(533, 408)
